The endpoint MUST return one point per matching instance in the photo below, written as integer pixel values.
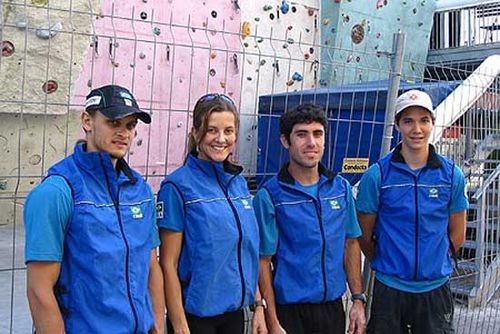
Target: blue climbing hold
(285, 7)
(297, 77)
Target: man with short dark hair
(91, 233)
(309, 232)
(411, 206)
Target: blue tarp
(355, 113)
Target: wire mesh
(169, 61)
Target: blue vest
(103, 283)
(308, 264)
(218, 264)
(411, 230)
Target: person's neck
(415, 158)
(305, 176)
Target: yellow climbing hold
(245, 30)
(39, 2)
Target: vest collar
(432, 160)
(93, 161)
(285, 176)
(205, 165)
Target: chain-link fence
(52, 54)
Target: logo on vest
(335, 204)
(246, 204)
(433, 193)
(136, 212)
(159, 210)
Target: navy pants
(395, 311)
(227, 323)
(306, 318)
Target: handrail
(487, 183)
(465, 95)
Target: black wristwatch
(259, 303)
(358, 296)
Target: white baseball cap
(414, 98)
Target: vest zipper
(416, 229)
(116, 203)
(240, 233)
(323, 247)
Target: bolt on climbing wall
(278, 55)
(355, 33)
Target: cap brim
(119, 112)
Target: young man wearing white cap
(411, 207)
(91, 233)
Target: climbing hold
(297, 77)
(142, 55)
(144, 15)
(285, 46)
(349, 58)
(285, 7)
(364, 22)
(8, 49)
(289, 27)
(345, 18)
(414, 11)
(249, 78)
(262, 62)
(222, 84)
(332, 30)
(212, 72)
(290, 82)
(378, 35)
(294, 9)
(260, 40)
(306, 56)
(213, 54)
(46, 32)
(267, 7)
(311, 50)
(323, 82)
(157, 31)
(245, 44)
(310, 12)
(290, 40)
(271, 16)
(420, 24)
(39, 2)
(49, 86)
(358, 58)
(245, 29)
(357, 33)
(326, 21)
(379, 4)
(308, 30)
(257, 19)
(214, 14)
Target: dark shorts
(395, 311)
(227, 323)
(323, 318)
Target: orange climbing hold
(245, 30)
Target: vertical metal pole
(398, 44)
(397, 54)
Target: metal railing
(468, 26)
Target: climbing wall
(355, 36)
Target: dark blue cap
(115, 102)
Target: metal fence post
(398, 44)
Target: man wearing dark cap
(91, 233)
(411, 207)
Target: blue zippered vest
(218, 264)
(308, 264)
(103, 282)
(411, 230)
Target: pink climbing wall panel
(168, 53)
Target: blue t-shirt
(266, 216)
(47, 212)
(368, 202)
(171, 215)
